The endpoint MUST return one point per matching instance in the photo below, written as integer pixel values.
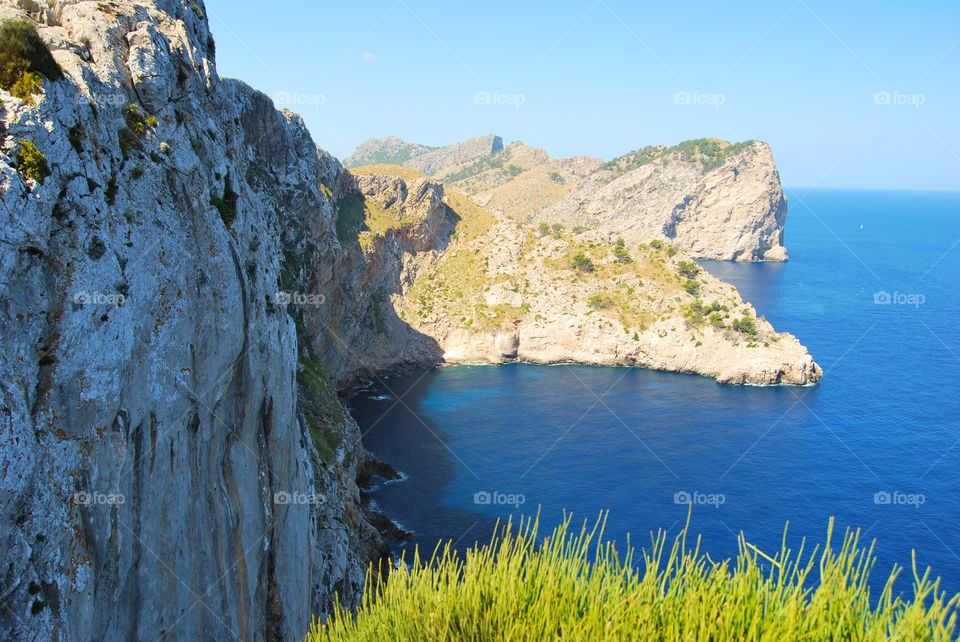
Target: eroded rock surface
(173, 460)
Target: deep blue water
(885, 418)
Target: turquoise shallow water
(876, 444)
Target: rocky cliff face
(173, 458)
(457, 154)
(709, 198)
(387, 227)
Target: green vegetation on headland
(576, 586)
(470, 170)
(710, 153)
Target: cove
(875, 444)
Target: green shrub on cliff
(745, 325)
(710, 153)
(23, 58)
(27, 86)
(688, 269)
(582, 263)
(621, 253)
(135, 128)
(226, 205)
(31, 163)
(21, 44)
(575, 586)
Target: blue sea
(870, 289)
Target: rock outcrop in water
(185, 280)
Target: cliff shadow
(395, 429)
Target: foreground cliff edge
(173, 458)
(186, 279)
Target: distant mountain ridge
(712, 198)
(390, 150)
(396, 151)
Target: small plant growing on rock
(31, 163)
(226, 206)
(656, 244)
(692, 287)
(136, 120)
(135, 128)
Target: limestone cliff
(173, 458)
(707, 197)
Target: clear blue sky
(607, 76)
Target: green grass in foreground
(575, 586)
